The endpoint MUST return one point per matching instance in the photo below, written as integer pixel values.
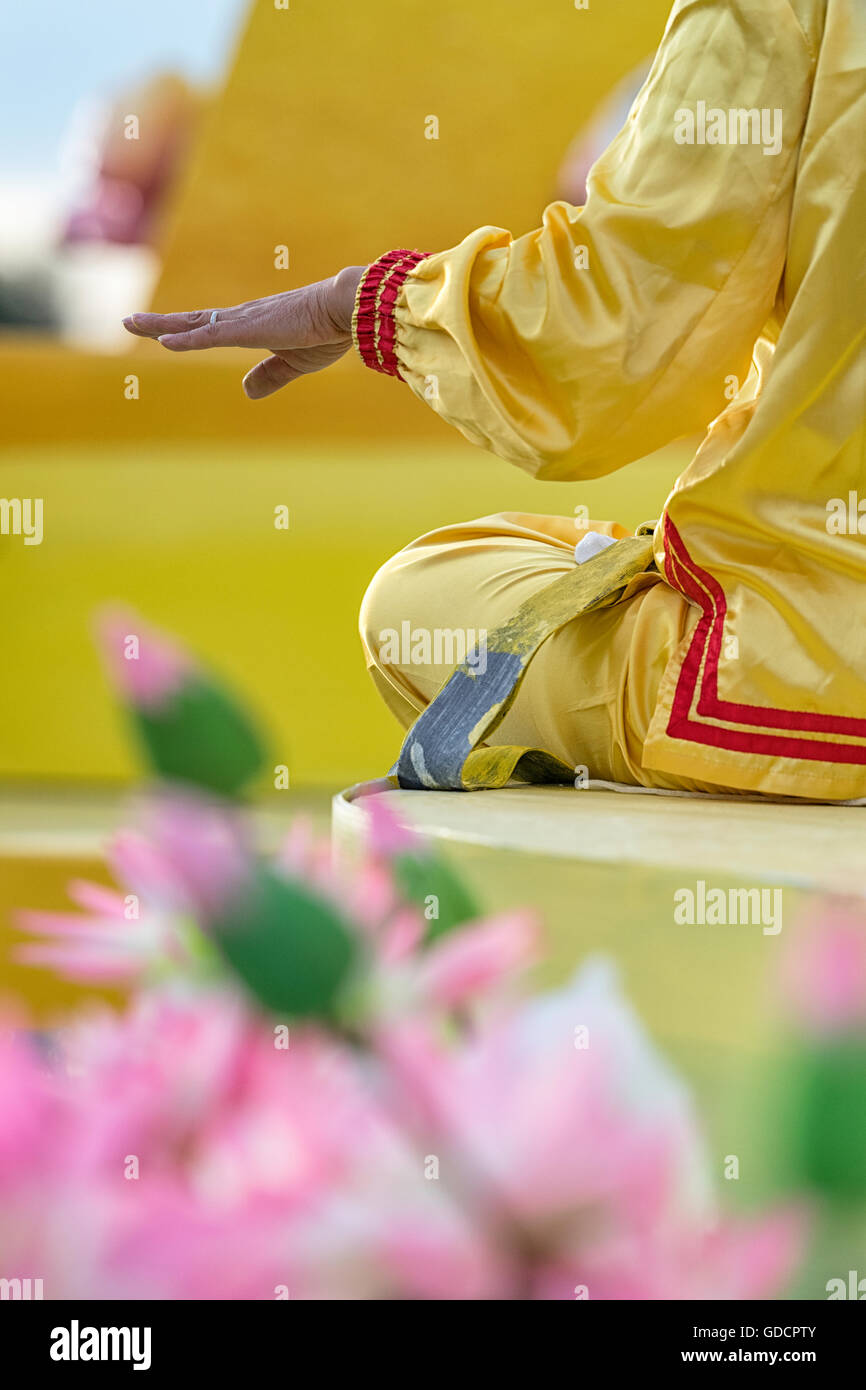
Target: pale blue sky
(54, 52)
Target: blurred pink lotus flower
(823, 976)
(462, 965)
(468, 1143)
(191, 1150)
(570, 1132)
(465, 962)
(200, 849)
(367, 889)
(145, 665)
(190, 859)
(113, 943)
(181, 1153)
(190, 728)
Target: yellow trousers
(592, 688)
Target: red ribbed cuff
(373, 326)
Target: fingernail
(164, 338)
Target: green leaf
(290, 948)
(827, 1106)
(429, 882)
(203, 737)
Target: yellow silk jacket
(714, 281)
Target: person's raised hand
(304, 330)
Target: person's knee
(383, 611)
(408, 618)
(380, 608)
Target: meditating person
(714, 281)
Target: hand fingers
(238, 326)
(282, 367)
(152, 325)
(268, 376)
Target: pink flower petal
(77, 963)
(204, 845)
(67, 925)
(474, 958)
(823, 977)
(95, 897)
(387, 836)
(147, 668)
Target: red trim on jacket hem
(699, 673)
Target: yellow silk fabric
(704, 286)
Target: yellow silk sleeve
(616, 327)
